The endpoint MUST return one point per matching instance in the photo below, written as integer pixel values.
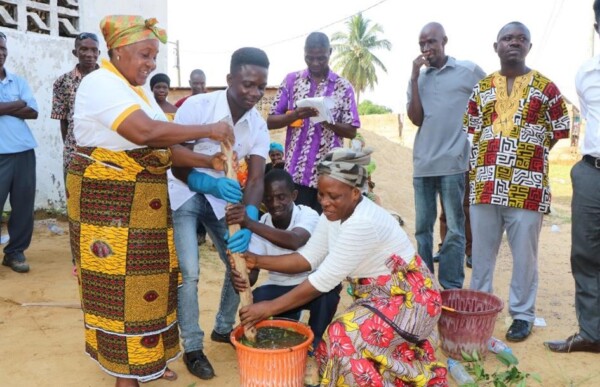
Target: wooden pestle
(240, 263)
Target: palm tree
(353, 56)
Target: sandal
(169, 375)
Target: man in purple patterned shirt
(306, 143)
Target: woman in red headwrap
(119, 214)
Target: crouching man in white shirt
(284, 229)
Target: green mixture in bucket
(275, 338)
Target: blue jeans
(186, 220)
(322, 309)
(451, 190)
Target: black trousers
(308, 196)
(585, 248)
(17, 180)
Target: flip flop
(169, 375)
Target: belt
(593, 161)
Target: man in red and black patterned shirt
(514, 117)
(65, 87)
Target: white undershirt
(587, 83)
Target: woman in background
(160, 84)
(276, 156)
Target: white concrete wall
(43, 58)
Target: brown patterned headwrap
(121, 30)
(346, 165)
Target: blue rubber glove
(222, 187)
(239, 242)
(252, 212)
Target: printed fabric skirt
(122, 240)
(384, 338)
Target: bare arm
(64, 125)
(300, 295)
(183, 157)
(142, 130)
(288, 239)
(292, 263)
(415, 108)
(276, 121)
(253, 193)
(181, 173)
(342, 130)
(25, 113)
(291, 240)
(8, 108)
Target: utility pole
(177, 61)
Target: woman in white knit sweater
(382, 338)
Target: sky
(562, 35)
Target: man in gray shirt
(438, 92)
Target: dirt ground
(44, 346)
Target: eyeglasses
(87, 35)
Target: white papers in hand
(324, 105)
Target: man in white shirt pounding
(199, 196)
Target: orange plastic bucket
(471, 324)
(273, 367)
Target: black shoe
(436, 256)
(221, 337)
(16, 262)
(198, 365)
(469, 262)
(519, 330)
(574, 343)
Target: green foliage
(353, 56)
(511, 376)
(367, 107)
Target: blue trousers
(186, 222)
(17, 179)
(451, 190)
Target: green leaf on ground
(507, 358)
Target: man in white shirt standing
(202, 199)
(285, 228)
(585, 214)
